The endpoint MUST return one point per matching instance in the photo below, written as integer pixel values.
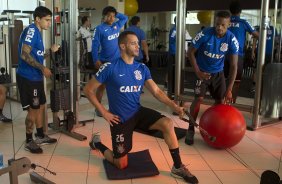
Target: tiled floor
(75, 163)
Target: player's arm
(233, 71)
(146, 49)
(254, 46)
(161, 96)
(122, 19)
(90, 92)
(26, 56)
(54, 48)
(192, 58)
(95, 48)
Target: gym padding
(180, 133)
(140, 164)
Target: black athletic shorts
(216, 86)
(122, 133)
(32, 93)
(240, 68)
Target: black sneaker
(98, 113)
(95, 139)
(185, 174)
(44, 140)
(33, 147)
(189, 139)
(5, 119)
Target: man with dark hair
(86, 36)
(106, 40)
(135, 27)
(212, 45)
(3, 92)
(124, 79)
(30, 73)
(239, 27)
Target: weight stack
(60, 99)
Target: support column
(180, 44)
(260, 62)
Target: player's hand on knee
(111, 118)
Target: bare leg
(165, 125)
(3, 92)
(195, 107)
(31, 119)
(120, 163)
(39, 116)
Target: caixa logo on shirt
(130, 89)
(30, 34)
(215, 56)
(40, 53)
(113, 36)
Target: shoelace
(187, 170)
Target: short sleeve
(104, 72)
(234, 45)
(199, 39)
(30, 37)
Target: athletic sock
(191, 127)
(101, 147)
(175, 157)
(40, 132)
(28, 137)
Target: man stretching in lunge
(124, 79)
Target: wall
(162, 22)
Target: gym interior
(71, 118)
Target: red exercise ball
(225, 124)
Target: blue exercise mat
(140, 164)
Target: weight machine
(65, 89)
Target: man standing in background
(106, 41)
(135, 27)
(239, 27)
(212, 46)
(86, 36)
(30, 73)
(3, 91)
